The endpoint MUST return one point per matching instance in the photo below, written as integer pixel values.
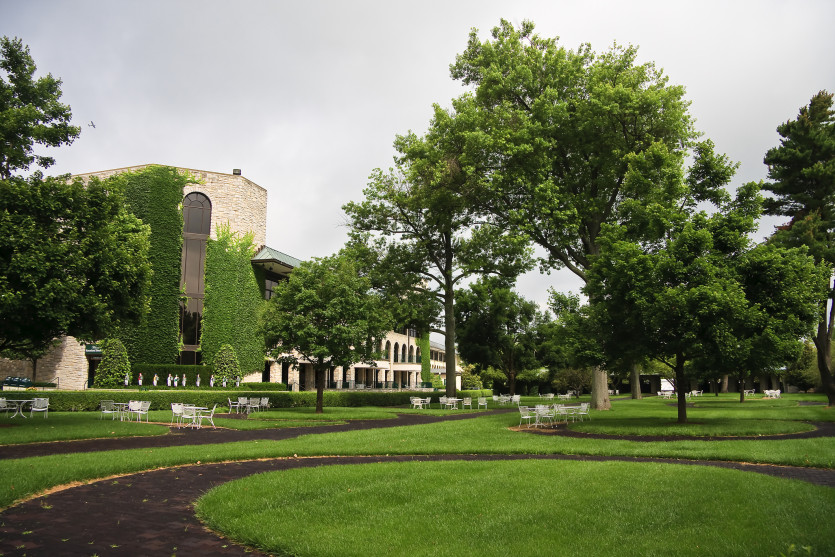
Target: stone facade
(235, 199)
(65, 364)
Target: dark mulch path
(207, 435)
(151, 513)
(822, 429)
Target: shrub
(264, 386)
(226, 364)
(114, 365)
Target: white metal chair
(206, 415)
(265, 403)
(560, 413)
(427, 402)
(233, 406)
(4, 406)
(108, 407)
(516, 399)
(543, 413)
(253, 405)
(189, 418)
(40, 405)
(177, 413)
(243, 404)
(144, 406)
(467, 401)
(443, 401)
(482, 401)
(526, 414)
(416, 402)
(583, 410)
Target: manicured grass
(64, 426)
(22, 478)
(520, 508)
(483, 435)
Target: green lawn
(479, 494)
(520, 507)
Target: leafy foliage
(233, 300)
(497, 327)
(803, 172)
(73, 261)
(110, 373)
(566, 141)
(705, 296)
(155, 195)
(31, 113)
(426, 232)
(327, 315)
(225, 364)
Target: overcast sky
(307, 97)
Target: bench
(16, 383)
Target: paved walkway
(151, 513)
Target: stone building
(212, 200)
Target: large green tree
(429, 236)
(497, 327)
(30, 111)
(802, 174)
(325, 314)
(73, 262)
(704, 296)
(564, 138)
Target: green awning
(274, 261)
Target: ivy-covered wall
(155, 195)
(233, 300)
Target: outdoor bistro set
(17, 405)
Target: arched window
(387, 350)
(197, 219)
(396, 352)
(411, 354)
(403, 355)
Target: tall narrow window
(197, 218)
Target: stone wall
(65, 364)
(235, 199)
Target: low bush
(264, 386)
(161, 398)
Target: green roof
(275, 261)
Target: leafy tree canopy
(73, 261)
(705, 296)
(567, 141)
(30, 111)
(325, 314)
(497, 327)
(802, 174)
(428, 236)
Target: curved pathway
(151, 513)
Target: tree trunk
(681, 381)
(600, 389)
(319, 372)
(449, 337)
(512, 381)
(635, 381)
(823, 344)
(741, 382)
(34, 369)
(724, 388)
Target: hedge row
(77, 401)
